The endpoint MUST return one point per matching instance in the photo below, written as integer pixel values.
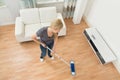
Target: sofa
(32, 19)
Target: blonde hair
(56, 24)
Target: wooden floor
(21, 61)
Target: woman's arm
(55, 41)
(34, 37)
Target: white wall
(5, 16)
(105, 15)
(9, 13)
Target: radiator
(99, 46)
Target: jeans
(44, 50)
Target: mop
(71, 65)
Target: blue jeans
(44, 50)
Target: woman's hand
(54, 51)
(43, 44)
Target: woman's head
(56, 25)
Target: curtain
(27, 4)
(79, 11)
(69, 7)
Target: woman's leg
(43, 51)
(50, 46)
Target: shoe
(52, 57)
(41, 59)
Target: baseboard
(7, 23)
(117, 65)
(87, 21)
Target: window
(2, 3)
(48, 0)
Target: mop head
(72, 66)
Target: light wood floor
(21, 61)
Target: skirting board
(86, 20)
(7, 23)
(115, 63)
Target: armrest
(19, 29)
(63, 30)
(59, 15)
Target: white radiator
(99, 46)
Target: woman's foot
(52, 57)
(41, 59)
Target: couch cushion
(32, 29)
(47, 14)
(30, 16)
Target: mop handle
(59, 57)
